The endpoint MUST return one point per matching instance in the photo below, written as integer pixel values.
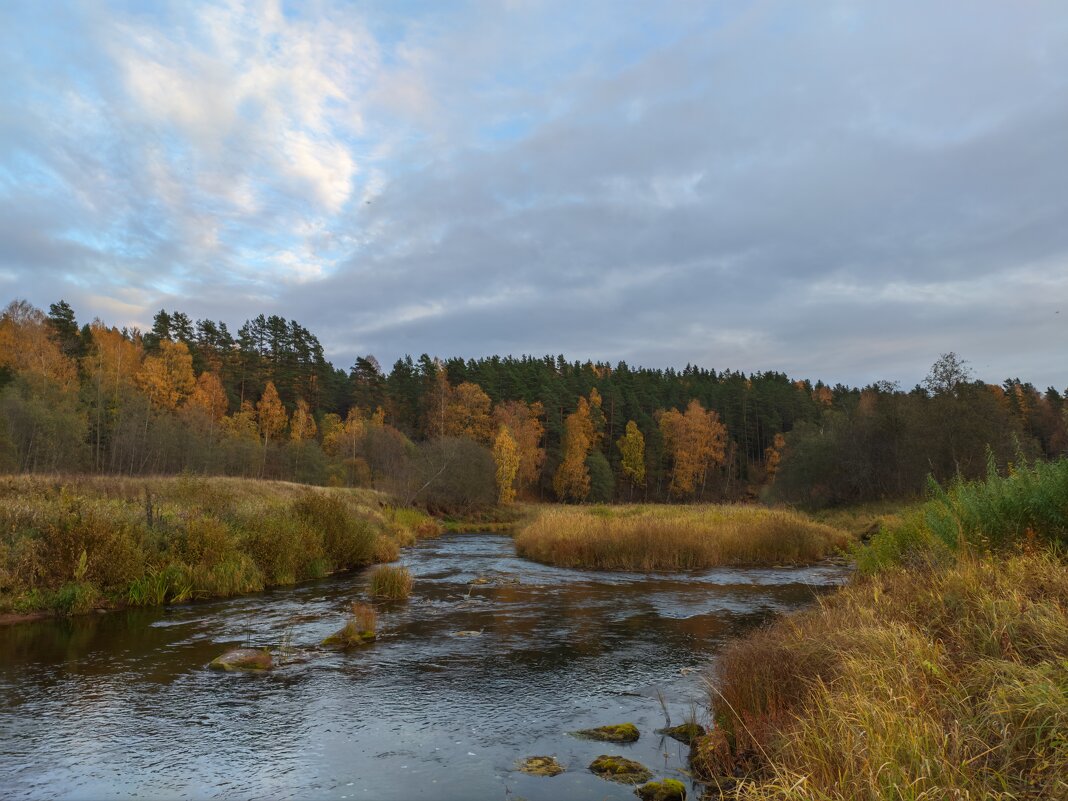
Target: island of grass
(69, 545)
(636, 537)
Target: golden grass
(674, 537)
(921, 683)
(148, 541)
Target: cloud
(836, 191)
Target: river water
(121, 705)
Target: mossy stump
(618, 733)
(541, 766)
(620, 769)
(666, 790)
(244, 659)
(684, 732)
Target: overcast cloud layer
(838, 190)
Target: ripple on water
(122, 704)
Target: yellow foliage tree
(270, 414)
(467, 413)
(302, 424)
(209, 396)
(167, 378)
(506, 457)
(632, 450)
(572, 479)
(694, 440)
(773, 456)
(524, 424)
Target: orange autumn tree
(506, 459)
(270, 415)
(167, 378)
(467, 413)
(302, 424)
(572, 478)
(523, 422)
(773, 457)
(27, 347)
(210, 397)
(694, 441)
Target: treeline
(191, 396)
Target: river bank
(74, 544)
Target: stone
(666, 790)
(620, 769)
(244, 659)
(617, 733)
(541, 766)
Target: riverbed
(465, 680)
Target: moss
(684, 732)
(244, 659)
(541, 766)
(666, 790)
(620, 769)
(346, 638)
(617, 733)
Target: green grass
(391, 583)
(639, 537)
(940, 672)
(68, 544)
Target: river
(121, 705)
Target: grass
(674, 537)
(70, 544)
(940, 672)
(359, 629)
(391, 583)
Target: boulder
(620, 769)
(541, 766)
(666, 790)
(244, 659)
(617, 733)
(348, 637)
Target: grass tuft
(391, 583)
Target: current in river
(465, 680)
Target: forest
(192, 397)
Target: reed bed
(648, 538)
(940, 672)
(72, 544)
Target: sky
(836, 190)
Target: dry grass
(158, 540)
(674, 537)
(940, 674)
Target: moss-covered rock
(620, 769)
(349, 637)
(541, 766)
(244, 659)
(684, 732)
(666, 790)
(618, 733)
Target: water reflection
(120, 705)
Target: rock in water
(348, 637)
(541, 766)
(667, 790)
(620, 769)
(619, 733)
(244, 659)
(684, 732)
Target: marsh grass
(391, 583)
(674, 537)
(940, 673)
(67, 544)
